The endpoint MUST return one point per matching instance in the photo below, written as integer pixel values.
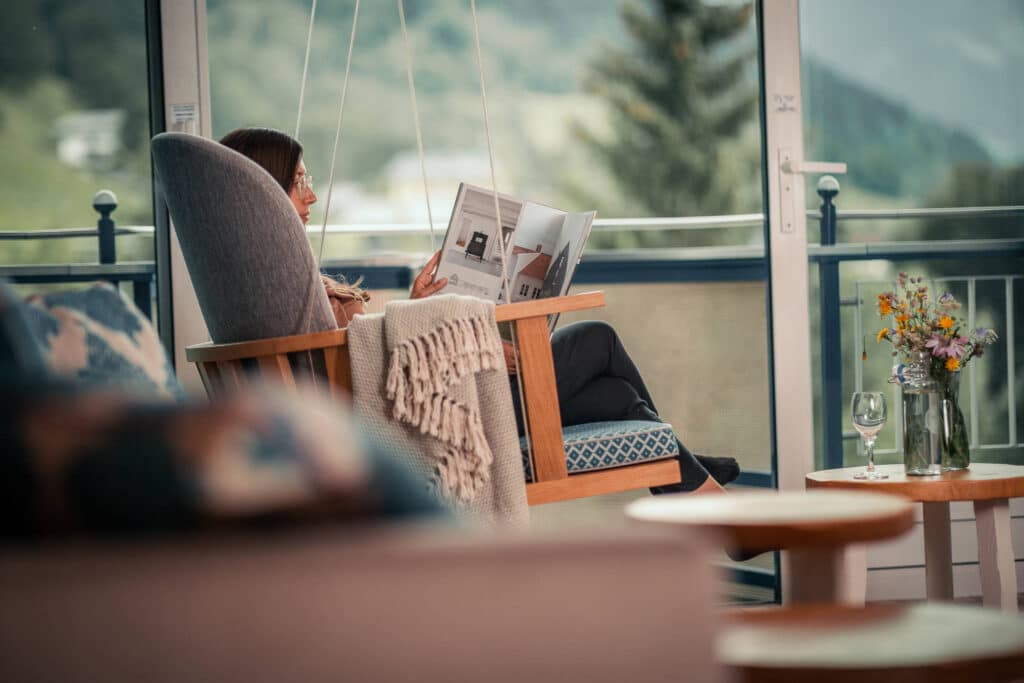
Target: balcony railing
(697, 264)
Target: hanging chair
(258, 287)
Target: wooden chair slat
(204, 376)
(276, 368)
(339, 370)
(231, 375)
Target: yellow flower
(884, 307)
(945, 322)
(952, 364)
(882, 334)
(902, 318)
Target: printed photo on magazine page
(471, 253)
(542, 247)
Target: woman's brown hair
(277, 152)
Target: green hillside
(889, 148)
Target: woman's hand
(424, 285)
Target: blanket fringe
(420, 372)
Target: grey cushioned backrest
(244, 245)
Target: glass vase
(922, 417)
(956, 453)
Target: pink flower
(942, 347)
(937, 343)
(957, 347)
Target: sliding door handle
(790, 209)
(791, 166)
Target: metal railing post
(831, 333)
(105, 202)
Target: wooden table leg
(854, 577)
(995, 554)
(825, 575)
(938, 551)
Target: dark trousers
(597, 381)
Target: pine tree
(674, 97)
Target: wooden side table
(813, 528)
(988, 486)
(926, 643)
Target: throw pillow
(98, 338)
(20, 359)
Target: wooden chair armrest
(208, 352)
(545, 307)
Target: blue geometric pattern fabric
(603, 445)
(99, 339)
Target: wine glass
(868, 409)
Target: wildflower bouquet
(928, 337)
(923, 326)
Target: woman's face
(302, 194)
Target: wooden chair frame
(227, 367)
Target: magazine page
(567, 253)
(471, 253)
(533, 250)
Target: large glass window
(923, 101)
(74, 119)
(592, 105)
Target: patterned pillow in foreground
(99, 339)
(99, 462)
(20, 359)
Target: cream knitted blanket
(429, 378)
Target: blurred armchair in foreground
(257, 538)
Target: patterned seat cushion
(99, 339)
(603, 445)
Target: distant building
(445, 170)
(402, 200)
(90, 139)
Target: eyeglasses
(304, 182)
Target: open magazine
(542, 247)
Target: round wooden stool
(933, 642)
(813, 528)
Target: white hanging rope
(416, 120)
(334, 154)
(501, 231)
(490, 150)
(305, 68)
(337, 134)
